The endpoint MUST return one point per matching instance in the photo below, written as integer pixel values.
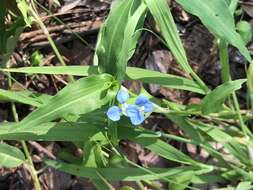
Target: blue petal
(141, 100)
(137, 119)
(135, 115)
(122, 96)
(148, 107)
(132, 110)
(113, 113)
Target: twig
(42, 149)
(50, 40)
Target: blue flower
(135, 114)
(113, 113)
(143, 101)
(122, 96)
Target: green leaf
(238, 150)
(80, 97)
(130, 39)
(117, 174)
(250, 84)
(24, 97)
(245, 185)
(244, 28)
(24, 8)
(216, 16)
(162, 15)
(133, 73)
(10, 156)
(63, 131)
(165, 150)
(166, 80)
(10, 39)
(116, 38)
(181, 182)
(151, 141)
(37, 58)
(214, 100)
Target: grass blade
(214, 100)
(117, 38)
(217, 17)
(80, 97)
(132, 73)
(10, 156)
(117, 174)
(162, 15)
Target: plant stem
(140, 185)
(250, 84)
(69, 28)
(224, 61)
(32, 169)
(49, 38)
(225, 75)
(200, 82)
(245, 129)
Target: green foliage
(115, 174)
(80, 97)
(24, 8)
(36, 58)
(10, 156)
(77, 113)
(132, 73)
(245, 30)
(217, 17)
(112, 55)
(214, 100)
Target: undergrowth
(96, 112)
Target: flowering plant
(136, 112)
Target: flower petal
(137, 119)
(131, 110)
(148, 107)
(113, 113)
(135, 115)
(122, 96)
(143, 100)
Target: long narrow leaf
(10, 156)
(116, 174)
(214, 100)
(117, 38)
(80, 97)
(132, 73)
(216, 16)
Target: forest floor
(85, 17)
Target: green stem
(49, 38)
(32, 168)
(69, 28)
(148, 171)
(250, 84)
(33, 171)
(140, 185)
(245, 129)
(200, 82)
(225, 75)
(224, 61)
